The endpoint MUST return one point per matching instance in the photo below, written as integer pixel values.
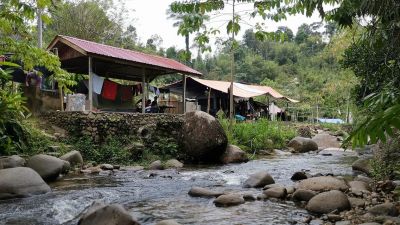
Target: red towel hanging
(126, 93)
(109, 90)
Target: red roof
(125, 54)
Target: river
(154, 195)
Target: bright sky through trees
(150, 18)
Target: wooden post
(209, 100)
(143, 90)
(184, 93)
(90, 84)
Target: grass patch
(259, 135)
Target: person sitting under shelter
(148, 106)
(154, 106)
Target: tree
(16, 39)
(86, 19)
(154, 42)
(303, 33)
(286, 31)
(187, 24)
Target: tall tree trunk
(187, 49)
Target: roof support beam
(143, 90)
(90, 72)
(184, 92)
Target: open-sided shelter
(87, 57)
(215, 94)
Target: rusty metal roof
(89, 47)
(239, 89)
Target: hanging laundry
(126, 93)
(138, 89)
(109, 90)
(152, 89)
(97, 83)
(157, 92)
(33, 79)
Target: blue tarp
(325, 120)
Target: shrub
(258, 135)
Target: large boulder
(204, 139)
(101, 214)
(323, 184)
(73, 157)
(303, 195)
(21, 182)
(48, 167)
(362, 165)
(327, 202)
(229, 200)
(326, 141)
(301, 144)
(258, 180)
(234, 154)
(203, 192)
(11, 161)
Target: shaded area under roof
(239, 90)
(113, 62)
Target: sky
(149, 17)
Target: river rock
(259, 179)
(203, 192)
(48, 167)
(300, 176)
(326, 141)
(156, 165)
(370, 223)
(106, 166)
(73, 157)
(101, 214)
(234, 154)
(327, 202)
(363, 179)
(301, 195)
(359, 186)
(357, 202)
(301, 144)
(11, 161)
(385, 209)
(21, 182)
(173, 163)
(204, 139)
(362, 165)
(276, 192)
(167, 222)
(229, 200)
(323, 184)
(345, 222)
(266, 187)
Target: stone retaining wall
(101, 125)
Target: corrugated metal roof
(242, 90)
(125, 54)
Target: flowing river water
(154, 195)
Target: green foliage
(381, 118)
(165, 148)
(111, 151)
(259, 135)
